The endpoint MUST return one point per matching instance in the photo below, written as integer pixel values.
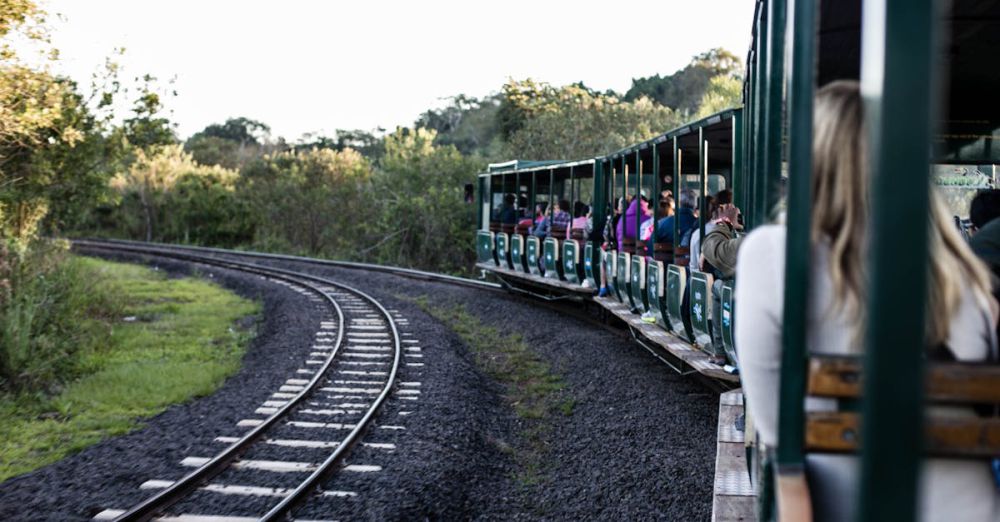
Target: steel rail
(406, 272)
(155, 504)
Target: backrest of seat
(663, 252)
(557, 231)
(953, 384)
(676, 286)
(508, 228)
(484, 246)
(628, 245)
(578, 234)
(494, 226)
(701, 307)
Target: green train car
(928, 78)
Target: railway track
(349, 375)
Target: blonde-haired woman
(960, 314)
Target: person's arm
(757, 322)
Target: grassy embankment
(102, 345)
(532, 388)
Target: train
(930, 98)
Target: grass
(531, 387)
(174, 339)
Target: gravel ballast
(639, 443)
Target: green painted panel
(654, 292)
(551, 251)
(623, 286)
(676, 285)
(534, 250)
(517, 251)
(503, 250)
(611, 271)
(484, 246)
(588, 264)
(701, 308)
(727, 321)
(637, 283)
(570, 260)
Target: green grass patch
(531, 387)
(168, 340)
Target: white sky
(316, 66)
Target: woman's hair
(579, 209)
(840, 213)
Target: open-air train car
(929, 82)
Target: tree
(573, 122)
(723, 92)
(683, 90)
(310, 200)
(468, 123)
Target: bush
(46, 299)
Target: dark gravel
(640, 443)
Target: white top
(951, 490)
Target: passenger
(627, 226)
(685, 217)
(610, 241)
(560, 216)
(508, 213)
(718, 255)
(542, 221)
(579, 218)
(985, 208)
(959, 312)
(714, 205)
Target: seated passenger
(541, 221)
(985, 207)
(579, 218)
(508, 214)
(685, 216)
(560, 216)
(959, 316)
(627, 225)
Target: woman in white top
(960, 314)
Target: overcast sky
(316, 66)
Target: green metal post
(552, 189)
(759, 171)
(773, 104)
(737, 157)
(898, 47)
(600, 200)
(638, 197)
(703, 186)
(791, 418)
(677, 191)
(657, 189)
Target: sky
(316, 66)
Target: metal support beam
(898, 44)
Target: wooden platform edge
(733, 496)
(538, 280)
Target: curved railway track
(350, 382)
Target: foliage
(723, 92)
(44, 302)
(573, 122)
(111, 364)
(418, 213)
(232, 144)
(308, 201)
(683, 91)
(369, 144)
(468, 123)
